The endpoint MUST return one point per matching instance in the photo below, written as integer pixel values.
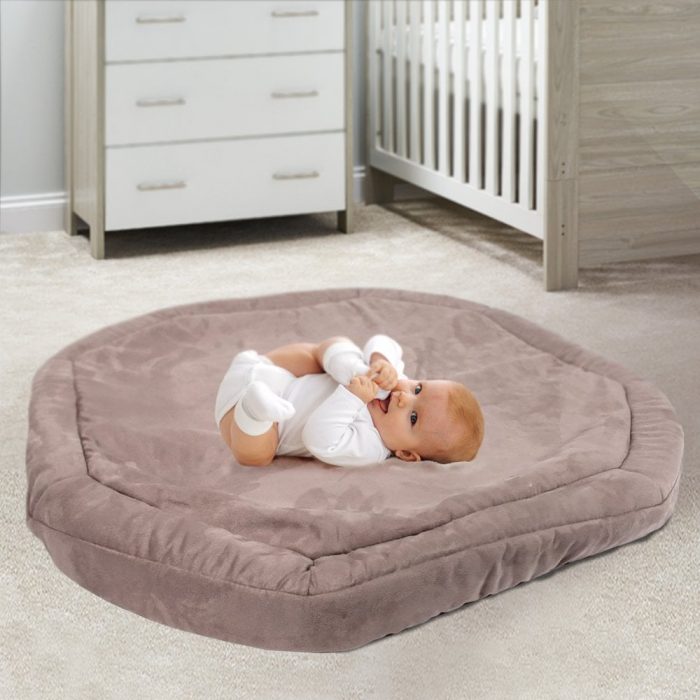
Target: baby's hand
(363, 387)
(384, 374)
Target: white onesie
(331, 423)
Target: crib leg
(379, 186)
(561, 236)
(564, 278)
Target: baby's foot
(262, 404)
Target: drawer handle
(164, 185)
(295, 176)
(308, 93)
(160, 102)
(159, 19)
(294, 13)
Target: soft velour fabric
(137, 498)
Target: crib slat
(443, 86)
(541, 102)
(526, 184)
(508, 163)
(373, 70)
(492, 8)
(401, 77)
(414, 52)
(428, 71)
(388, 87)
(459, 126)
(475, 99)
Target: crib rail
(457, 101)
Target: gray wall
(31, 95)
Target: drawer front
(174, 101)
(156, 29)
(186, 183)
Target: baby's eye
(418, 388)
(414, 417)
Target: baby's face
(416, 417)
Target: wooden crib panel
(639, 161)
(560, 172)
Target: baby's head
(433, 419)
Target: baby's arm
(382, 346)
(380, 360)
(332, 435)
(382, 353)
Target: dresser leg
(345, 219)
(70, 222)
(97, 241)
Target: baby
(344, 405)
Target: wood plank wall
(639, 132)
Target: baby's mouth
(384, 404)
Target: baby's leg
(252, 438)
(250, 450)
(245, 433)
(304, 358)
(297, 358)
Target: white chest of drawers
(190, 111)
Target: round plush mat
(137, 498)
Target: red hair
(463, 410)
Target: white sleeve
(388, 347)
(332, 434)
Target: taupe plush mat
(136, 497)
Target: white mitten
(391, 350)
(343, 360)
(383, 393)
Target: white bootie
(259, 408)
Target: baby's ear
(408, 455)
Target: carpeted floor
(623, 624)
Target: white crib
(458, 105)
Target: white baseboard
(33, 213)
(404, 190)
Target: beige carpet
(624, 624)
